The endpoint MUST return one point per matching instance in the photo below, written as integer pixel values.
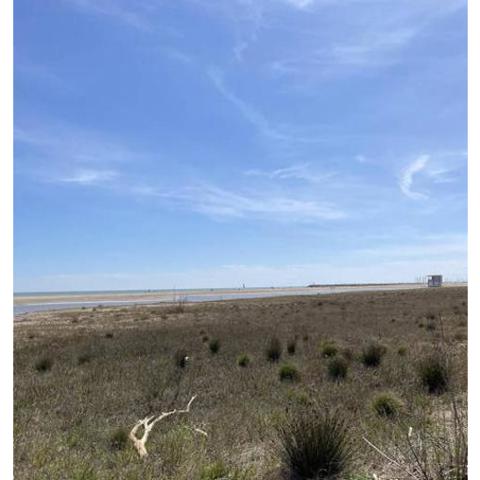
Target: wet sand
(60, 301)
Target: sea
(28, 302)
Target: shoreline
(39, 303)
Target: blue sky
(199, 143)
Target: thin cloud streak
(297, 172)
(283, 133)
(90, 177)
(406, 178)
(132, 17)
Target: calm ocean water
(164, 296)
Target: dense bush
(387, 405)
(315, 445)
(337, 368)
(180, 358)
(289, 372)
(274, 349)
(214, 345)
(214, 471)
(402, 350)
(372, 354)
(119, 439)
(44, 364)
(329, 349)
(434, 373)
(243, 360)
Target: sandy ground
(172, 295)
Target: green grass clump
(291, 347)
(434, 374)
(119, 439)
(372, 354)
(315, 445)
(214, 345)
(44, 364)
(214, 471)
(329, 349)
(84, 358)
(402, 351)
(274, 350)
(180, 358)
(386, 404)
(337, 368)
(243, 360)
(289, 372)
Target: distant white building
(434, 280)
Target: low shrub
(402, 351)
(180, 358)
(119, 439)
(386, 404)
(315, 445)
(433, 373)
(243, 360)
(214, 471)
(329, 349)
(84, 358)
(289, 372)
(337, 368)
(274, 350)
(372, 354)
(214, 345)
(44, 364)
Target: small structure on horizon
(434, 280)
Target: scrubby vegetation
(180, 358)
(329, 349)
(289, 372)
(372, 354)
(387, 404)
(119, 439)
(44, 364)
(243, 360)
(315, 445)
(214, 345)
(274, 349)
(72, 421)
(434, 372)
(292, 346)
(337, 368)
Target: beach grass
(80, 386)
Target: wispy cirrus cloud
(272, 130)
(222, 203)
(251, 114)
(131, 14)
(71, 156)
(438, 168)
(406, 178)
(67, 145)
(219, 202)
(297, 172)
(89, 177)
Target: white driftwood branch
(148, 423)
